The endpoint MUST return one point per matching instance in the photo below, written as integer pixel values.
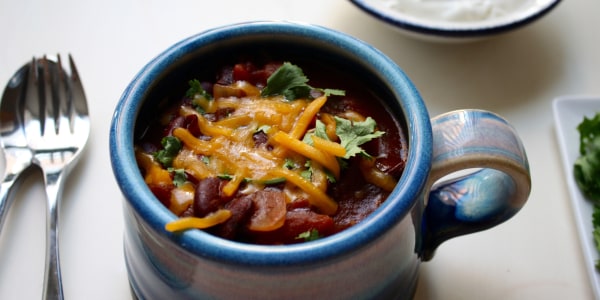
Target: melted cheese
(227, 148)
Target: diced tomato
(242, 72)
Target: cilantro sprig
(179, 176)
(171, 146)
(290, 82)
(354, 134)
(196, 90)
(200, 97)
(587, 165)
(586, 170)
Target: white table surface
(535, 255)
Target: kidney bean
(225, 76)
(260, 138)
(176, 122)
(241, 209)
(223, 113)
(191, 124)
(207, 198)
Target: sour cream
(458, 10)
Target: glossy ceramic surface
(438, 30)
(377, 258)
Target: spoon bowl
(13, 143)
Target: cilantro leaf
(308, 172)
(205, 159)
(320, 130)
(225, 176)
(309, 235)
(171, 146)
(200, 97)
(197, 89)
(179, 176)
(587, 172)
(290, 82)
(588, 130)
(354, 134)
(334, 92)
(596, 230)
(273, 181)
(289, 164)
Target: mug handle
(496, 187)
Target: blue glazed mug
(378, 258)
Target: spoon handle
(52, 277)
(10, 182)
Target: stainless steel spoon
(13, 143)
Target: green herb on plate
(587, 170)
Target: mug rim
(399, 203)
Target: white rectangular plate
(568, 113)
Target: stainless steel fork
(57, 126)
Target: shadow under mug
(375, 259)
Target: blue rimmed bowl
(456, 20)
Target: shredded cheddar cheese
(196, 145)
(155, 174)
(287, 141)
(206, 127)
(328, 146)
(211, 220)
(375, 176)
(330, 126)
(227, 148)
(306, 117)
(319, 198)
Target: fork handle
(52, 276)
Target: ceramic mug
(378, 258)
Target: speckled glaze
(376, 259)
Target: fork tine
(32, 103)
(63, 103)
(80, 103)
(49, 98)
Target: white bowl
(456, 20)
